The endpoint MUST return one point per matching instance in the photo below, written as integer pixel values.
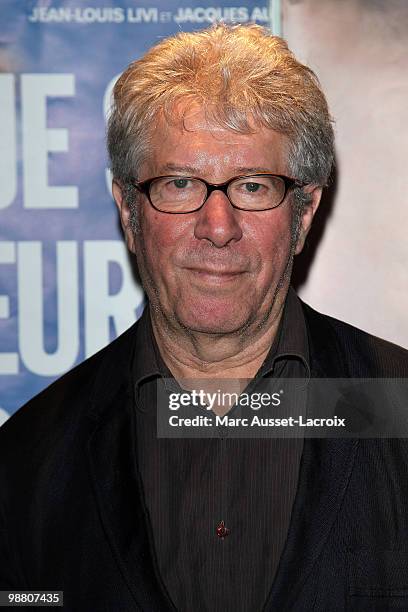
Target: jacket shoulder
(364, 354)
(68, 400)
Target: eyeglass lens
(183, 194)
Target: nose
(217, 221)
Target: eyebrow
(194, 171)
(175, 168)
(253, 170)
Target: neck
(195, 355)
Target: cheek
(161, 235)
(271, 240)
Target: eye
(252, 187)
(180, 183)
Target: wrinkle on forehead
(201, 143)
(204, 158)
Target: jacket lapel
(324, 473)
(117, 483)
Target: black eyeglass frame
(144, 187)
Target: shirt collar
(291, 341)
(146, 362)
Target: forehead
(193, 143)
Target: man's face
(217, 270)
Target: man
(221, 143)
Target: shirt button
(222, 531)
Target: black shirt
(220, 507)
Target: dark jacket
(72, 515)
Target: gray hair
(242, 76)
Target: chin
(213, 320)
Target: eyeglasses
(186, 194)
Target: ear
(315, 192)
(124, 213)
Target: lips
(216, 271)
(216, 268)
(215, 277)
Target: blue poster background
(65, 285)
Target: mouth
(215, 275)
